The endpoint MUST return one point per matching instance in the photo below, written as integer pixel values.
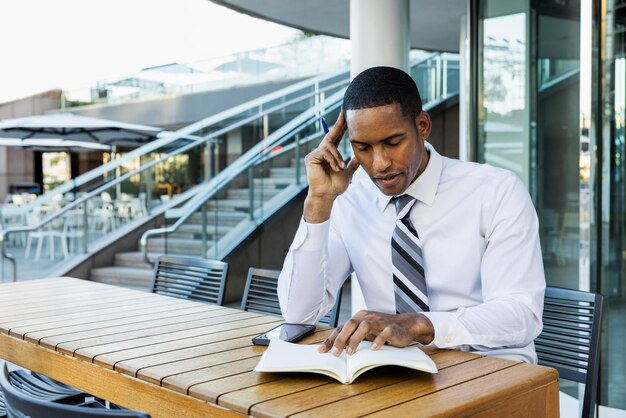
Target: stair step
(179, 246)
(282, 171)
(123, 276)
(278, 182)
(134, 259)
(194, 231)
(266, 192)
(240, 205)
(223, 217)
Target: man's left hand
(399, 330)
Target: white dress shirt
(483, 266)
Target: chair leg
(39, 244)
(52, 250)
(29, 241)
(66, 253)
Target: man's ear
(423, 124)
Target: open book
(282, 356)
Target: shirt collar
(425, 185)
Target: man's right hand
(327, 174)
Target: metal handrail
(201, 141)
(219, 186)
(183, 133)
(248, 159)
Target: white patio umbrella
(70, 127)
(53, 144)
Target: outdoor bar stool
(19, 404)
(261, 295)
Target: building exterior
(544, 95)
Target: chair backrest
(261, 295)
(570, 340)
(19, 405)
(190, 278)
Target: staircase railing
(288, 137)
(214, 208)
(129, 196)
(194, 132)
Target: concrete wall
(445, 132)
(266, 249)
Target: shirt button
(447, 340)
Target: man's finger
(358, 336)
(335, 152)
(327, 344)
(382, 338)
(332, 161)
(337, 131)
(343, 336)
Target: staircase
(131, 270)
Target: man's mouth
(387, 180)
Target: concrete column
(380, 35)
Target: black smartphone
(285, 332)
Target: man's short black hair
(381, 86)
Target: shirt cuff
(449, 331)
(313, 237)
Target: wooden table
(176, 358)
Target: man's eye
(361, 148)
(393, 143)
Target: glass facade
(611, 18)
(550, 105)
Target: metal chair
(45, 389)
(19, 404)
(570, 340)
(261, 295)
(3, 410)
(190, 278)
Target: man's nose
(381, 160)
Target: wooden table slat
(109, 309)
(183, 382)
(422, 384)
(82, 306)
(479, 396)
(93, 322)
(52, 338)
(60, 297)
(223, 341)
(90, 348)
(285, 401)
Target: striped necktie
(406, 257)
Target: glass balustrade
(243, 201)
(237, 206)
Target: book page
(282, 356)
(365, 359)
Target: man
(446, 252)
